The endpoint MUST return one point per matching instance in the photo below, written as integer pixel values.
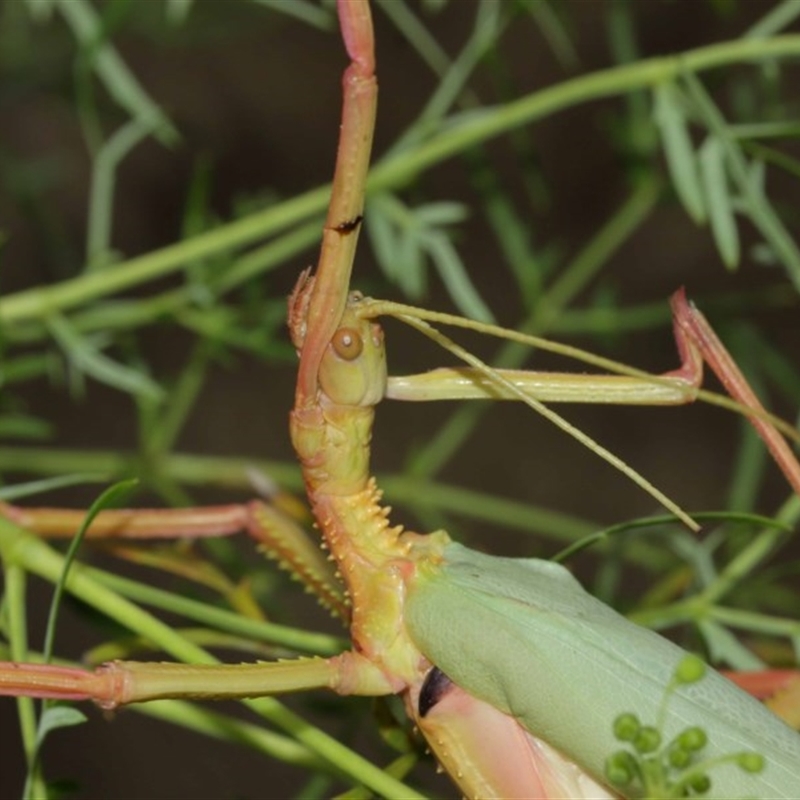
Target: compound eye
(347, 344)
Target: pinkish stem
(322, 310)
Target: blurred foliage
(559, 166)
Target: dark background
(257, 94)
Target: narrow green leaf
(25, 367)
(407, 237)
(643, 523)
(454, 276)
(396, 234)
(774, 129)
(356, 793)
(555, 33)
(197, 216)
(317, 17)
(410, 271)
(382, 235)
(87, 27)
(40, 10)
(757, 176)
(178, 11)
(104, 369)
(115, 149)
(717, 190)
(725, 647)
(24, 426)
(20, 490)
(775, 20)
(755, 204)
(58, 717)
(441, 214)
(109, 497)
(678, 149)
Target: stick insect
(406, 590)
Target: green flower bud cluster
(653, 768)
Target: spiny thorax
(331, 433)
(332, 443)
(372, 556)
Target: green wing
(523, 635)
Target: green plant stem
(42, 301)
(232, 473)
(754, 554)
(27, 551)
(259, 630)
(15, 580)
(759, 208)
(589, 260)
(120, 82)
(204, 720)
(775, 20)
(601, 84)
(393, 172)
(754, 622)
(104, 172)
(224, 727)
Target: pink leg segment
(692, 325)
